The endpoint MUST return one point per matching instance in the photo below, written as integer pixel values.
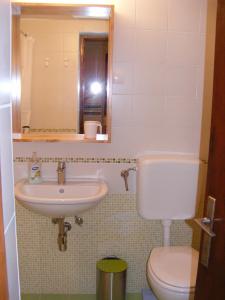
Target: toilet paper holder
(125, 173)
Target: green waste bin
(111, 279)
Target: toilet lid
(175, 266)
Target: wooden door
(211, 280)
(93, 70)
(3, 275)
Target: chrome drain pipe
(64, 227)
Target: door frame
(82, 39)
(211, 280)
(4, 295)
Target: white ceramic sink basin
(53, 200)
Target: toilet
(172, 271)
(166, 191)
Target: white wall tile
(200, 82)
(70, 42)
(123, 78)
(184, 49)
(49, 42)
(149, 80)
(184, 15)
(122, 110)
(203, 19)
(182, 139)
(183, 112)
(125, 17)
(6, 165)
(46, 26)
(148, 111)
(11, 261)
(151, 14)
(181, 82)
(135, 140)
(124, 39)
(151, 47)
(202, 46)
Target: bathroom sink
(53, 200)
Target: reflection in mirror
(64, 67)
(50, 73)
(93, 78)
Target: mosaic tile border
(97, 160)
(68, 130)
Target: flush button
(61, 191)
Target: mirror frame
(49, 9)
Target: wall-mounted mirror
(62, 71)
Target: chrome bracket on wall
(78, 220)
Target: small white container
(91, 129)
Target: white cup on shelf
(91, 129)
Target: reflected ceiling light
(16, 88)
(92, 12)
(98, 12)
(96, 88)
(5, 87)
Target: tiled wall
(6, 167)
(112, 228)
(8, 204)
(158, 68)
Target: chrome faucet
(61, 172)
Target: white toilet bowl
(172, 272)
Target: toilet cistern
(61, 172)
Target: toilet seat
(174, 268)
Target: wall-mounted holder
(78, 220)
(125, 174)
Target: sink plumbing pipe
(64, 227)
(166, 232)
